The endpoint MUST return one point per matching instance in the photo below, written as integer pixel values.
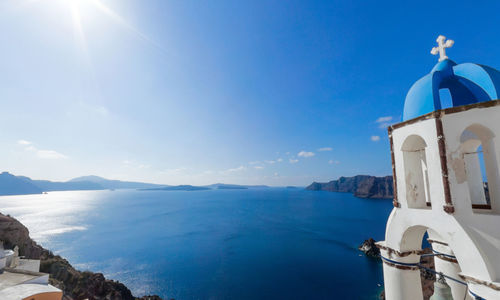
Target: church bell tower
(445, 160)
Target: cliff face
(75, 284)
(13, 233)
(362, 186)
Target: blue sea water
(272, 243)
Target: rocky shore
(76, 285)
(369, 248)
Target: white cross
(441, 48)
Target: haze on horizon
(185, 92)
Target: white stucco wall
(473, 235)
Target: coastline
(75, 284)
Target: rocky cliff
(362, 186)
(75, 284)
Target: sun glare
(79, 8)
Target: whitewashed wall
(473, 235)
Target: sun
(82, 11)
(77, 7)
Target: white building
(442, 155)
(20, 279)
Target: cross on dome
(441, 48)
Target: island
(22, 185)
(362, 186)
(178, 188)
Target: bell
(442, 290)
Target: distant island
(216, 186)
(362, 186)
(178, 188)
(22, 185)
(224, 186)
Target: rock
(369, 248)
(75, 284)
(362, 186)
(13, 233)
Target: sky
(198, 92)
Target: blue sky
(197, 92)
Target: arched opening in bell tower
(481, 166)
(435, 257)
(416, 172)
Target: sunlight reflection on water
(51, 214)
(215, 244)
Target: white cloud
(24, 142)
(279, 159)
(325, 149)
(270, 162)
(293, 161)
(259, 167)
(375, 138)
(240, 168)
(254, 162)
(40, 153)
(384, 119)
(167, 171)
(50, 154)
(305, 154)
(101, 110)
(333, 162)
(138, 165)
(84, 108)
(276, 174)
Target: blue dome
(468, 83)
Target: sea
(269, 243)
